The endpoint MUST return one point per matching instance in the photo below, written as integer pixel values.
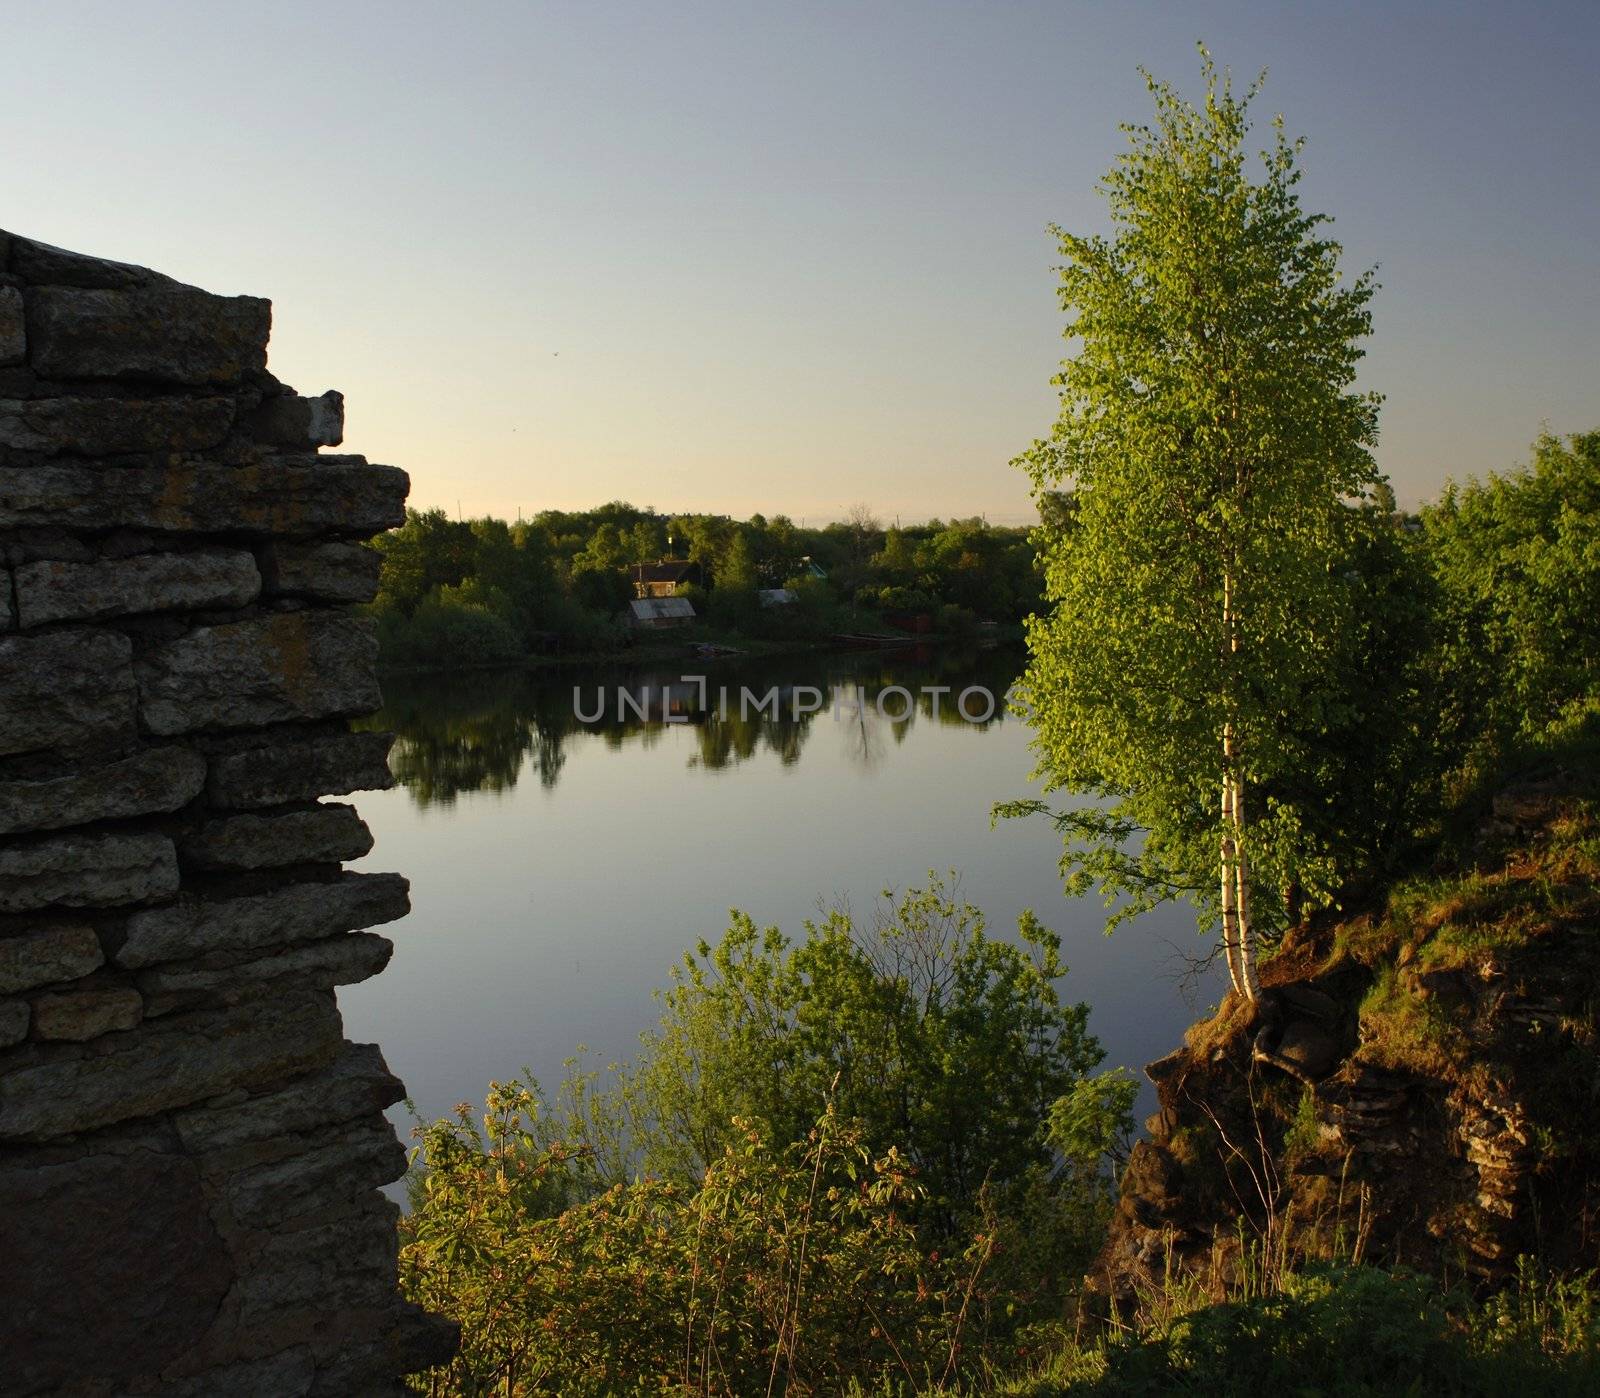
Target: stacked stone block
(191, 1154)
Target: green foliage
(561, 580)
(459, 627)
(1091, 1124)
(1516, 561)
(1347, 1332)
(939, 1040)
(866, 1156)
(796, 1269)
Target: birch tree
(1213, 447)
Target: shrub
(453, 627)
(794, 1266)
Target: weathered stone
(290, 1371)
(327, 835)
(157, 779)
(14, 1016)
(30, 545)
(292, 499)
(172, 1062)
(356, 1084)
(163, 333)
(1309, 1047)
(337, 960)
(114, 1269)
(330, 572)
(344, 1169)
(189, 1154)
(13, 334)
(64, 689)
(86, 1014)
(347, 1262)
(331, 765)
(299, 913)
(48, 955)
(108, 426)
(417, 1341)
(151, 582)
(86, 871)
(43, 265)
(298, 423)
(296, 665)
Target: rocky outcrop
(1417, 1086)
(191, 1155)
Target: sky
(791, 256)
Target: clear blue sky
(742, 256)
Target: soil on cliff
(1419, 1085)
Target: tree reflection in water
(476, 732)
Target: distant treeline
(486, 591)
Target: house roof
(662, 609)
(668, 570)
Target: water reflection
(455, 737)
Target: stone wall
(190, 1151)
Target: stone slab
(158, 333)
(298, 423)
(148, 582)
(329, 765)
(115, 1269)
(47, 955)
(339, 960)
(296, 665)
(41, 264)
(330, 572)
(86, 871)
(346, 1262)
(347, 497)
(341, 1170)
(64, 689)
(14, 1016)
(86, 1014)
(168, 1063)
(326, 834)
(356, 1084)
(13, 331)
(155, 780)
(113, 426)
(302, 912)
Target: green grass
(1337, 1331)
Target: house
(663, 579)
(778, 596)
(660, 613)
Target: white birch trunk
(1241, 865)
(1230, 922)
(1238, 937)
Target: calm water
(559, 868)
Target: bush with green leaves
(461, 626)
(874, 1154)
(938, 1039)
(1344, 1331)
(792, 1270)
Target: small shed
(660, 613)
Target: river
(560, 866)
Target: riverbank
(722, 645)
